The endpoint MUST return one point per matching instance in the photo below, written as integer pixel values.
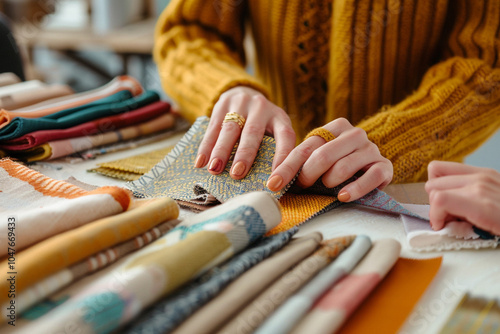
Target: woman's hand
(261, 116)
(461, 192)
(335, 162)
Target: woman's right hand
(262, 117)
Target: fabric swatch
(198, 244)
(132, 168)
(55, 105)
(384, 309)
(117, 103)
(68, 275)
(104, 124)
(336, 305)
(252, 316)
(243, 290)
(474, 314)
(33, 96)
(44, 207)
(165, 315)
(300, 303)
(60, 148)
(454, 236)
(8, 78)
(56, 253)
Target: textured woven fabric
(273, 296)
(242, 291)
(454, 236)
(384, 309)
(49, 256)
(177, 176)
(300, 303)
(337, 304)
(419, 76)
(104, 124)
(167, 314)
(55, 105)
(44, 207)
(474, 314)
(96, 262)
(196, 245)
(117, 103)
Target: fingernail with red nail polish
(343, 196)
(215, 165)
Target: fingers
(443, 168)
(378, 175)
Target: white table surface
(473, 271)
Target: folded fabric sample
(243, 290)
(252, 316)
(21, 87)
(55, 105)
(66, 276)
(384, 309)
(40, 207)
(64, 147)
(186, 252)
(474, 314)
(300, 303)
(65, 249)
(117, 103)
(163, 316)
(8, 78)
(177, 176)
(104, 124)
(33, 96)
(455, 235)
(336, 305)
(132, 168)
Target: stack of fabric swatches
(62, 124)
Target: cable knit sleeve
(457, 105)
(199, 53)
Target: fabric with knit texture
(420, 76)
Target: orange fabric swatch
(387, 308)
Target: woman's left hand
(335, 162)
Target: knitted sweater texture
(420, 76)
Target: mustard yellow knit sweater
(420, 76)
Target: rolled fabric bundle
(33, 96)
(8, 78)
(104, 124)
(193, 247)
(334, 307)
(55, 105)
(21, 87)
(115, 104)
(300, 303)
(252, 316)
(56, 253)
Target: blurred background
(85, 43)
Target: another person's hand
(461, 192)
(335, 162)
(262, 117)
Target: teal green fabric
(114, 104)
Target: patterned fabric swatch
(248, 286)
(198, 244)
(263, 305)
(117, 103)
(454, 236)
(336, 305)
(44, 207)
(300, 303)
(384, 309)
(165, 315)
(474, 315)
(54, 254)
(177, 176)
(132, 168)
(93, 263)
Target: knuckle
(304, 151)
